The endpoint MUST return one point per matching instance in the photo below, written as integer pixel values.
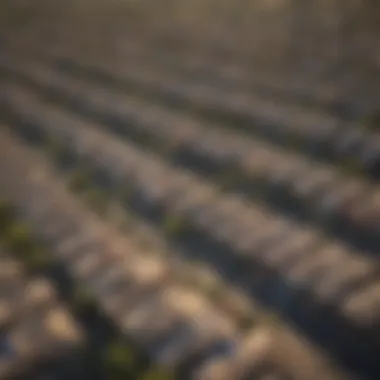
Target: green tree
(158, 373)
(173, 224)
(54, 147)
(83, 302)
(230, 178)
(79, 181)
(372, 122)
(6, 214)
(37, 259)
(19, 239)
(97, 199)
(246, 322)
(120, 362)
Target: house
(333, 285)
(249, 356)
(362, 307)
(37, 334)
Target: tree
(158, 373)
(120, 362)
(79, 181)
(83, 302)
(18, 238)
(37, 259)
(97, 200)
(53, 146)
(173, 225)
(6, 213)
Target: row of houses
(312, 131)
(229, 73)
(297, 258)
(177, 325)
(314, 188)
(290, 124)
(344, 205)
